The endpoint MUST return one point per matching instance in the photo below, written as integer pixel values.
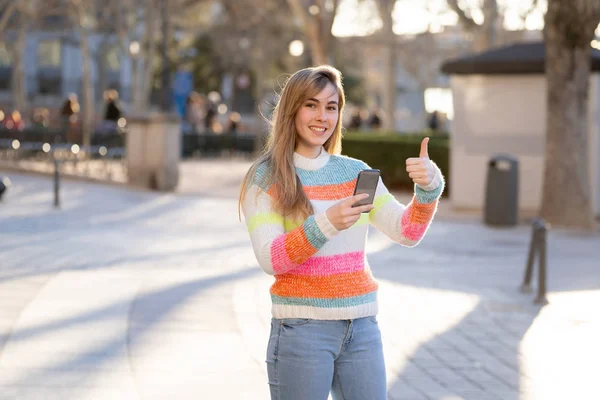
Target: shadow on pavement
(146, 312)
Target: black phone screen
(366, 183)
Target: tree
(316, 17)
(138, 29)
(17, 15)
(389, 37)
(484, 34)
(77, 11)
(136, 26)
(569, 29)
(254, 41)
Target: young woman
(297, 202)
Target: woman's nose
(322, 115)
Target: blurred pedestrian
(297, 200)
(68, 117)
(195, 113)
(41, 118)
(233, 123)
(434, 121)
(112, 111)
(356, 120)
(375, 120)
(210, 117)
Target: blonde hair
(278, 155)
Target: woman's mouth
(317, 129)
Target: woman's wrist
(435, 182)
(325, 225)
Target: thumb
(424, 152)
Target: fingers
(414, 161)
(365, 208)
(355, 210)
(417, 175)
(416, 168)
(355, 199)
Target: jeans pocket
(273, 345)
(294, 321)
(373, 319)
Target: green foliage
(354, 88)
(388, 152)
(206, 66)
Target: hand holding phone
(343, 214)
(366, 183)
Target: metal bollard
(3, 185)
(56, 183)
(537, 247)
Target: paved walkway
(128, 294)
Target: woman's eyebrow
(318, 101)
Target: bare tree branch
(523, 16)
(6, 17)
(468, 23)
(317, 28)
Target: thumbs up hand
(421, 170)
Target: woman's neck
(311, 163)
(309, 152)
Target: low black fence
(211, 144)
(29, 143)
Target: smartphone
(366, 183)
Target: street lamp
(134, 50)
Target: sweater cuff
(325, 225)
(429, 196)
(435, 182)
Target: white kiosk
(499, 99)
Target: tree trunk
(134, 90)
(317, 28)
(147, 58)
(484, 35)
(389, 90)
(318, 52)
(86, 79)
(566, 195)
(165, 74)
(18, 70)
(101, 62)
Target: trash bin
(502, 191)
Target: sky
(360, 17)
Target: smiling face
(316, 120)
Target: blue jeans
(307, 358)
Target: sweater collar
(311, 164)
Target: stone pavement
(128, 294)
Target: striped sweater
(320, 272)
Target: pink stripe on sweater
(410, 230)
(280, 260)
(332, 265)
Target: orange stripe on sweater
(421, 213)
(330, 192)
(325, 287)
(297, 245)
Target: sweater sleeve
(276, 251)
(407, 224)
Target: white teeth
(317, 129)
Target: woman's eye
(310, 105)
(332, 109)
